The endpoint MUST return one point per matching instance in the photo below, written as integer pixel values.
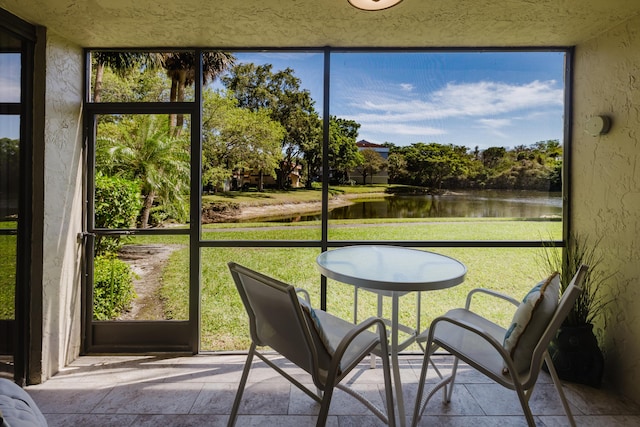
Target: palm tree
(181, 68)
(159, 161)
(121, 63)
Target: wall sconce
(373, 4)
(598, 125)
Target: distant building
(381, 149)
(248, 178)
(381, 177)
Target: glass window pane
(473, 139)
(142, 181)
(9, 166)
(7, 271)
(224, 321)
(142, 161)
(10, 77)
(262, 138)
(9, 195)
(118, 76)
(147, 279)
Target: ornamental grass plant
(579, 250)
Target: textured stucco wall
(234, 23)
(62, 205)
(606, 178)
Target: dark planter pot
(576, 355)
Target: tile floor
(161, 390)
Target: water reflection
(464, 204)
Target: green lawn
(224, 322)
(7, 273)
(298, 195)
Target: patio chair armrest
(305, 294)
(358, 329)
(490, 293)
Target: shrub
(112, 287)
(117, 205)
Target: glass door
(16, 74)
(142, 123)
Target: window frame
(184, 335)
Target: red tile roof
(367, 144)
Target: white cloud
(494, 123)
(491, 98)
(494, 126)
(463, 113)
(407, 87)
(10, 89)
(403, 129)
(480, 99)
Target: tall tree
(343, 150)
(492, 156)
(181, 68)
(429, 164)
(397, 165)
(235, 137)
(142, 149)
(9, 175)
(120, 62)
(372, 163)
(257, 87)
(548, 150)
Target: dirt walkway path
(146, 261)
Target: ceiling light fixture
(373, 4)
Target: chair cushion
(334, 329)
(317, 324)
(331, 330)
(17, 407)
(530, 321)
(469, 345)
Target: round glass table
(391, 268)
(392, 271)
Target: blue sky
(472, 99)
(9, 92)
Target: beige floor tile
(215, 398)
(473, 421)
(181, 420)
(54, 397)
(497, 400)
(593, 421)
(90, 420)
(150, 398)
(265, 398)
(279, 421)
(199, 390)
(341, 402)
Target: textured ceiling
(314, 23)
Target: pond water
(460, 204)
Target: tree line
(437, 166)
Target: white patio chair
(488, 348)
(325, 346)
